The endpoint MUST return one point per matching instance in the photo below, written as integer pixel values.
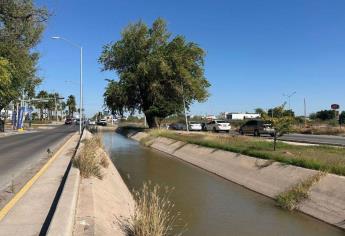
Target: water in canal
(210, 205)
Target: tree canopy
(21, 26)
(281, 121)
(71, 104)
(155, 71)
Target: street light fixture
(81, 77)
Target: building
(241, 116)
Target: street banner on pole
(20, 118)
(14, 119)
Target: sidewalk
(27, 216)
(10, 132)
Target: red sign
(335, 106)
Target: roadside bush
(88, 161)
(153, 214)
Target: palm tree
(71, 105)
(40, 105)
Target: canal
(208, 204)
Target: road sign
(335, 106)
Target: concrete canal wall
(326, 198)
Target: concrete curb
(63, 220)
(326, 202)
(62, 223)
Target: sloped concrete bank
(326, 198)
(101, 203)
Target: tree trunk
(151, 121)
(275, 141)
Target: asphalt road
(21, 154)
(317, 139)
(304, 138)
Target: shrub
(298, 193)
(153, 214)
(88, 161)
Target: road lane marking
(28, 185)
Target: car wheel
(241, 132)
(214, 129)
(272, 135)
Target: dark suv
(256, 127)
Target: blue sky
(256, 50)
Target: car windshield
(194, 123)
(222, 122)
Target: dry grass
(104, 161)
(298, 193)
(322, 158)
(153, 213)
(89, 161)
(322, 130)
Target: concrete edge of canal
(326, 198)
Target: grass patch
(89, 161)
(291, 198)
(153, 213)
(321, 158)
(147, 141)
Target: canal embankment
(102, 201)
(325, 199)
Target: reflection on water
(208, 204)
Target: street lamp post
(81, 79)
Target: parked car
(92, 122)
(68, 121)
(194, 126)
(218, 125)
(257, 128)
(177, 126)
(102, 122)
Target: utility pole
(305, 113)
(55, 109)
(289, 98)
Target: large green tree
(156, 72)
(21, 26)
